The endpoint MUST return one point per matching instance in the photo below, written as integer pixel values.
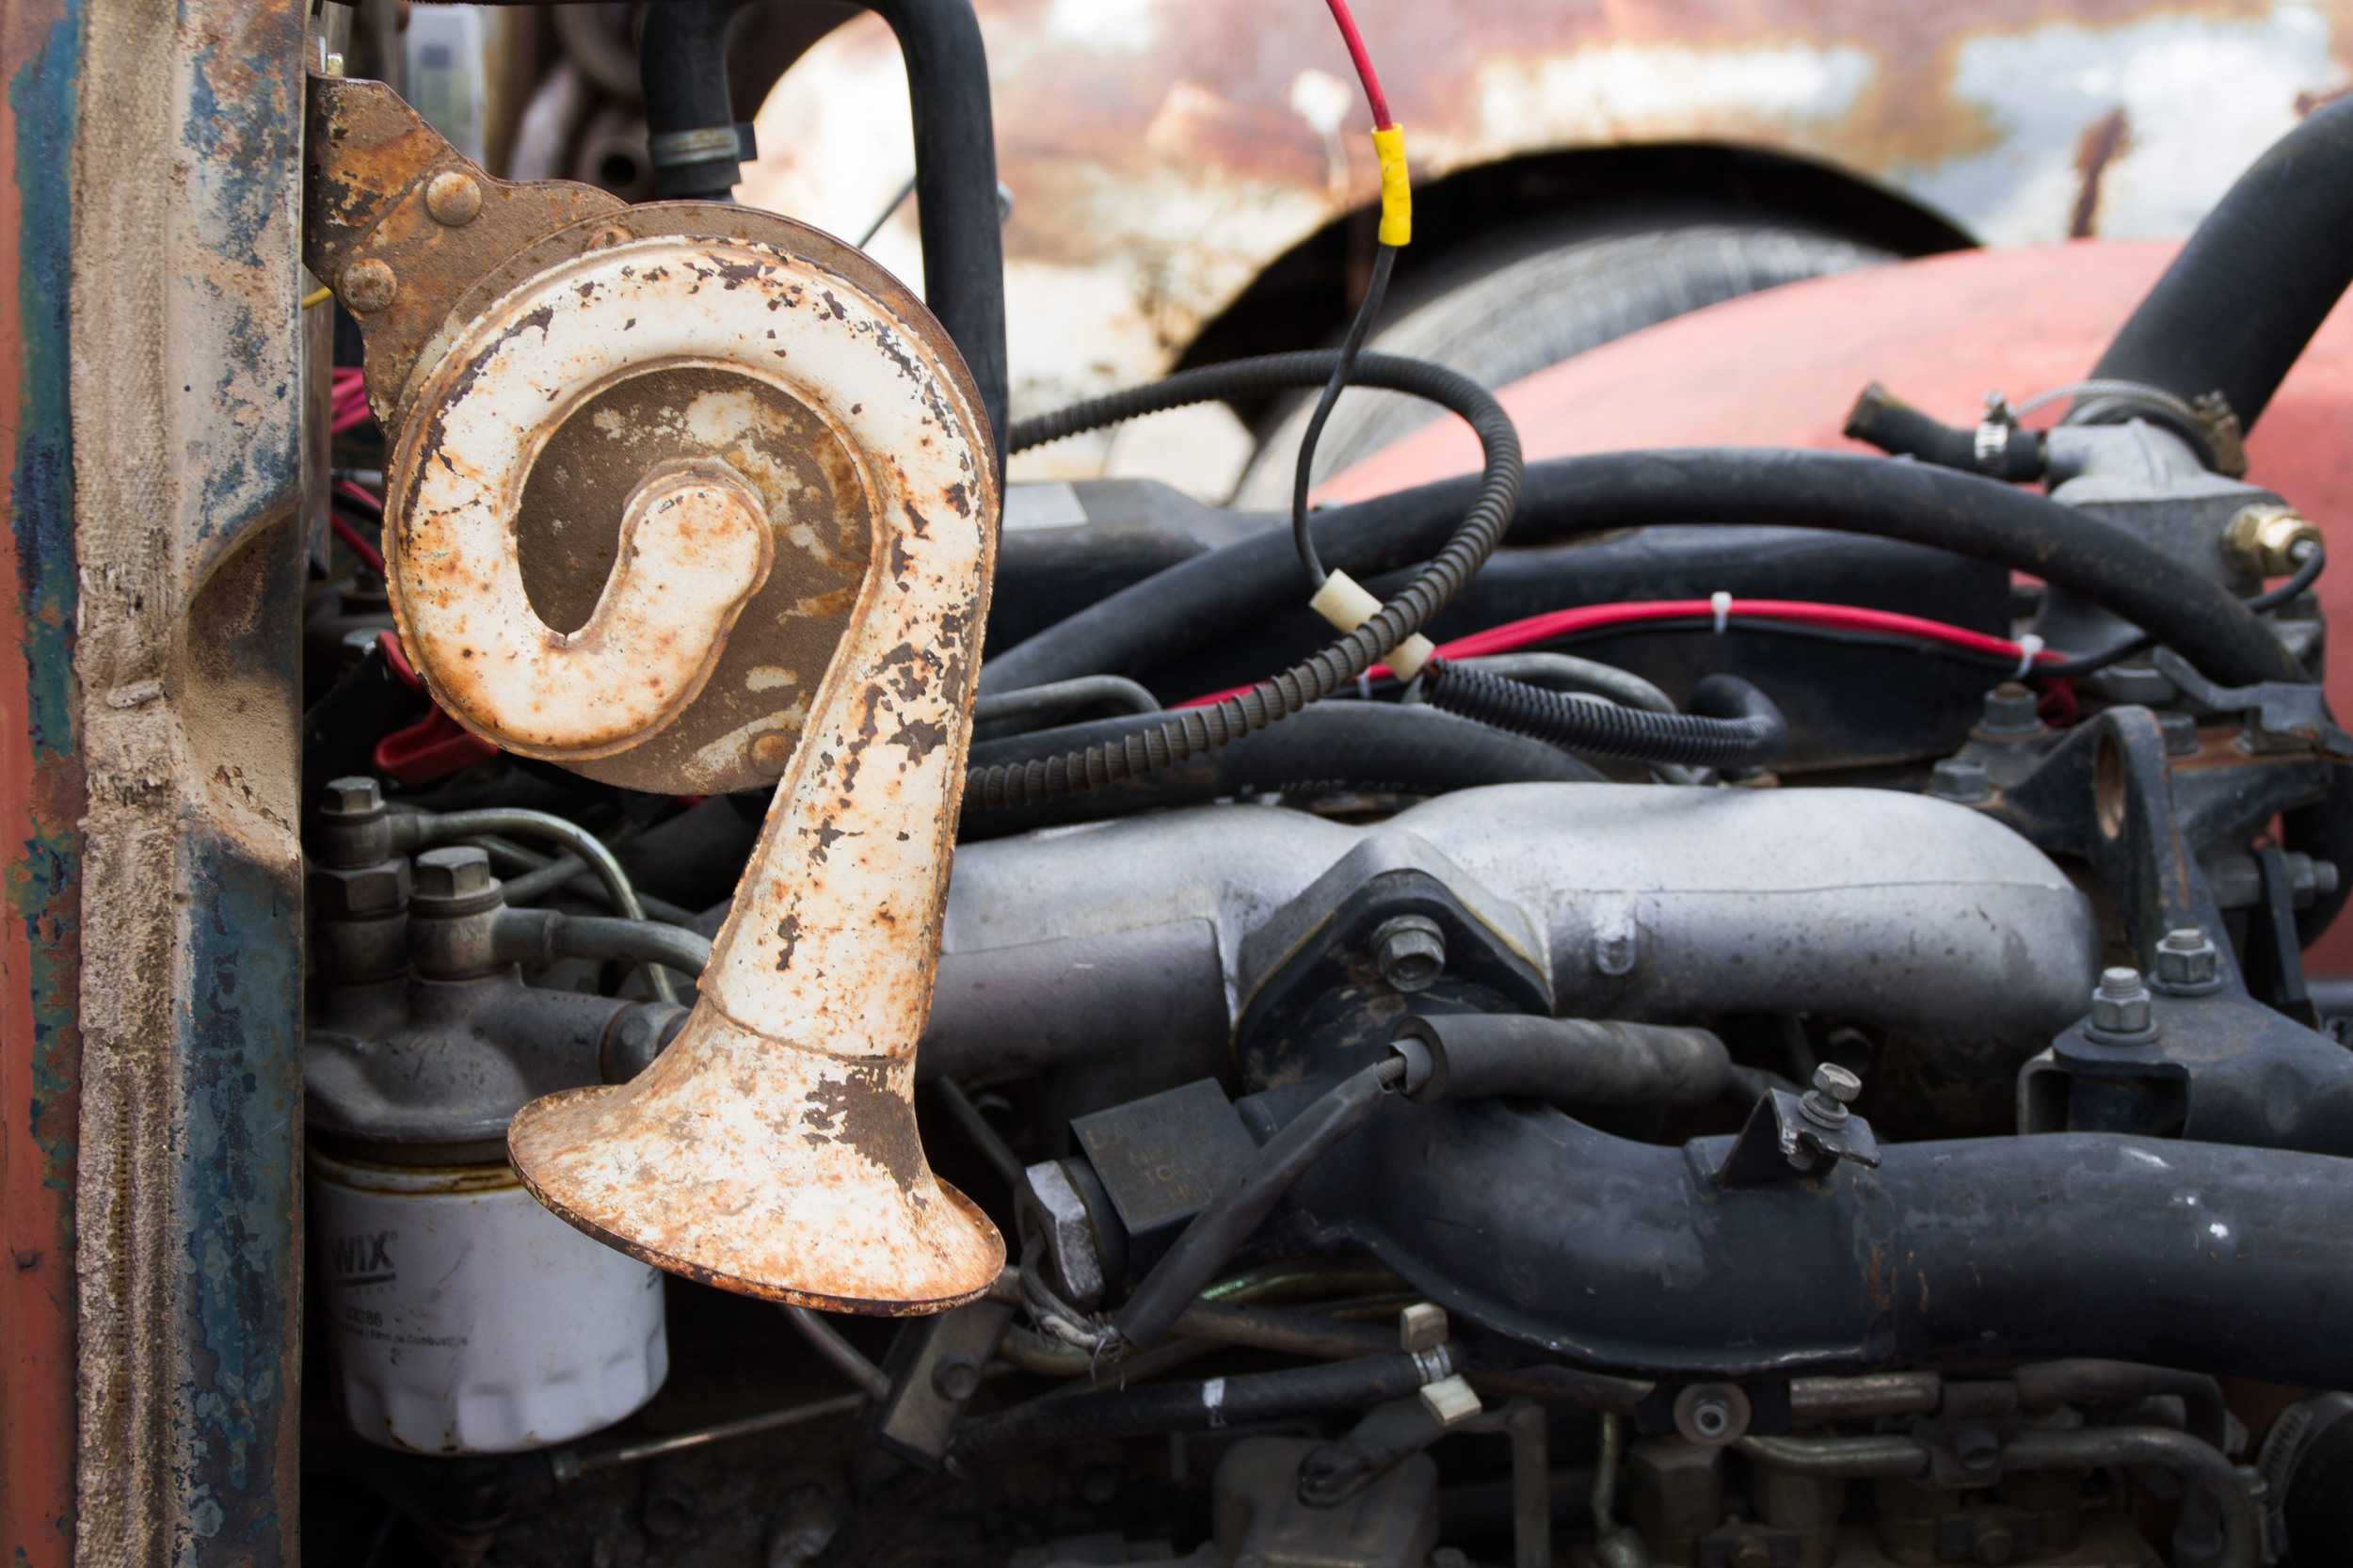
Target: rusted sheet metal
(1162, 154)
(772, 1149)
(400, 225)
(41, 797)
(185, 377)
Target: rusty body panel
(187, 371)
(771, 1148)
(43, 796)
(1162, 154)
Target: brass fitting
(2262, 539)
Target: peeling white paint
(1601, 95)
(2202, 96)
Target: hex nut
(453, 198)
(457, 872)
(1961, 781)
(2120, 1005)
(362, 893)
(1712, 1413)
(368, 285)
(2009, 711)
(2264, 539)
(1411, 951)
(2189, 964)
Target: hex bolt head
(2121, 1004)
(2188, 962)
(357, 894)
(350, 798)
(956, 1379)
(368, 285)
(1834, 1089)
(453, 198)
(1411, 951)
(2010, 710)
(459, 871)
(2180, 730)
(1961, 781)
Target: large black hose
(1362, 747)
(1731, 725)
(955, 186)
(1487, 512)
(1630, 1255)
(2257, 278)
(690, 118)
(1156, 1409)
(1227, 590)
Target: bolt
(956, 1379)
(1411, 950)
(453, 198)
(1834, 1089)
(2180, 730)
(2120, 1005)
(1996, 1546)
(356, 894)
(2188, 963)
(2010, 710)
(350, 798)
(368, 285)
(459, 871)
(1959, 779)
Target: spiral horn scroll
(792, 444)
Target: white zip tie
(2029, 648)
(1720, 602)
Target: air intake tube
(1631, 1256)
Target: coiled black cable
(1213, 725)
(1732, 723)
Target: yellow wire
(317, 296)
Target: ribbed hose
(1733, 725)
(1205, 728)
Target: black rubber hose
(1567, 1061)
(2253, 284)
(955, 187)
(1731, 725)
(2043, 1247)
(1152, 1409)
(1898, 428)
(1484, 519)
(682, 63)
(1367, 748)
(1215, 1234)
(1232, 589)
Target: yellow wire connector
(317, 296)
(1397, 192)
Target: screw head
(460, 871)
(2188, 962)
(1959, 779)
(368, 285)
(357, 894)
(1411, 951)
(351, 797)
(2121, 1004)
(453, 198)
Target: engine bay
(1720, 1007)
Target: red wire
(353, 490)
(358, 541)
(1364, 72)
(1590, 617)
